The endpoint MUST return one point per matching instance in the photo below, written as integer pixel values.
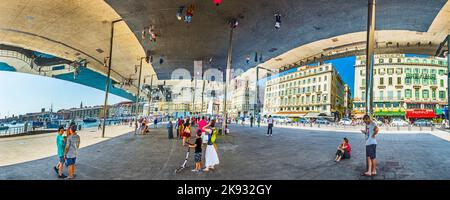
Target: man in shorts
(198, 151)
(71, 151)
(371, 146)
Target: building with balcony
(307, 91)
(243, 94)
(403, 86)
(348, 103)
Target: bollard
(398, 128)
(409, 128)
(318, 125)
(420, 128)
(432, 128)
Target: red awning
(421, 114)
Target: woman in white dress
(211, 157)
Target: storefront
(389, 114)
(414, 114)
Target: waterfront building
(307, 91)
(408, 87)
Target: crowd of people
(203, 131)
(204, 136)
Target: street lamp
(150, 94)
(105, 106)
(139, 90)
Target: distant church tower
(81, 105)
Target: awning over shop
(312, 115)
(289, 114)
(420, 114)
(390, 113)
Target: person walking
(186, 132)
(259, 121)
(371, 132)
(170, 129)
(60, 145)
(155, 122)
(252, 120)
(201, 124)
(269, 125)
(180, 127)
(71, 151)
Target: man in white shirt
(270, 125)
(371, 145)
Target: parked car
(303, 121)
(423, 122)
(399, 122)
(345, 121)
(282, 120)
(322, 121)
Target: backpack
(213, 136)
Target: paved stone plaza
(247, 153)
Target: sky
(24, 93)
(346, 68)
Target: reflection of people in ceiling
(180, 12)
(217, 2)
(189, 14)
(277, 21)
(152, 33)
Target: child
(61, 145)
(198, 151)
(343, 151)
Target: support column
(193, 96)
(203, 94)
(369, 56)
(227, 80)
(256, 110)
(105, 105)
(448, 74)
(138, 94)
(150, 97)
